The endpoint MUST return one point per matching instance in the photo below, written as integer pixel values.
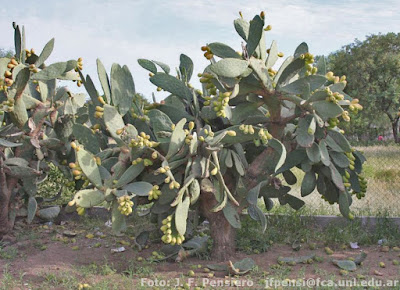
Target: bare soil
(37, 254)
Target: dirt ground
(42, 257)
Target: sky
(122, 31)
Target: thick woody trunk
(5, 224)
(5, 193)
(222, 233)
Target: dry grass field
(382, 170)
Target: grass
(9, 253)
(288, 228)
(95, 269)
(9, 281)
(135, 270)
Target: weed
(9, 253)
(139, 270)
(8, 281)
(65, 279)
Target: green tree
(5, 53)
(372, 68)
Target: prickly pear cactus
(239, 136)
(36, 121)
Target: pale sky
(122, 31)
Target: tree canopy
(372, 68)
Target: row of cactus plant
(243, 132)
(36, 118)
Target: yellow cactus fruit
(101, 100)
(227, 94)
(209, 56)
(89, 236)
(98, 114)
(231, 133)
(147, 162)
(191, 125)
(329, 75)
(268, 28)
(80, 210)
(280, 54)
(73, 145)
(251, 130)
(9, 82)
(314, 70)
(96, 126)
(336, 80)
(214, 171)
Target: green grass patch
(290, 228)
(9, 253)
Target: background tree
(372, 68)
(6, 53)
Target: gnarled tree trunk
(222, 233)
(5, 194)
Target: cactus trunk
(5, 226)
(5, 193)
(222, 233)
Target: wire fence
(382, 171)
